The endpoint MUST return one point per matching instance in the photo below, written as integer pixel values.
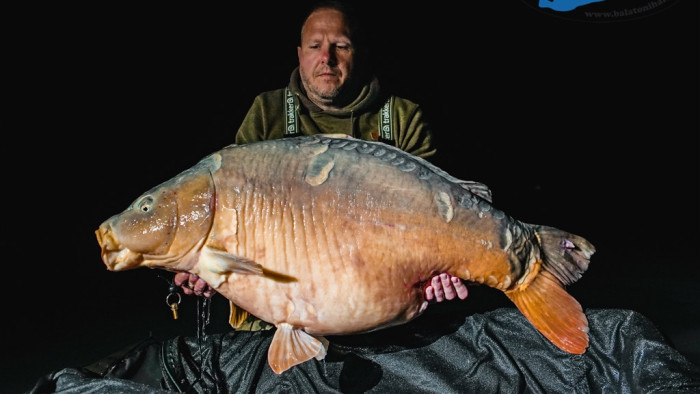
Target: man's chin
(327, 95)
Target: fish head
(164, 227)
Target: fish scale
(330, 235)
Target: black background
(589, 127)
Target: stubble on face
(322, 84)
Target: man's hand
(193, 284)
(444, 287)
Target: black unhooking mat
(494, 352)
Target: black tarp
(493, 352)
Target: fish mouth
(114, 255)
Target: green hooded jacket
(273, 113)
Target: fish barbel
(328, 235)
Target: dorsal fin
(477, 188)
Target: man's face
(326, 56)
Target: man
(333, 91)
(498, 351)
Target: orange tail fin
(554, 312)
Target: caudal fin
(545, 302)
(566, 255)
(553, 312)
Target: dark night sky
(589, 127)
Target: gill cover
(163, 224)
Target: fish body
(329, 235)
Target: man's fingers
(202, 288)
(193, 284)
(460, 288)
(447, 286)
(198, 286)
(180, 278)
(437, 288)
(192, 281)
(429, 293)
(208, 293)
(187, 290)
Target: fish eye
(145, 204)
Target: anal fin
(553, 312)
(291, 346)
(236, 315)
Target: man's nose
(328, 55)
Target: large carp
(328, 235)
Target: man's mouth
(326, 73)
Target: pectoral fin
(291, 346)
(222, 262)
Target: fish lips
(116, 257)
